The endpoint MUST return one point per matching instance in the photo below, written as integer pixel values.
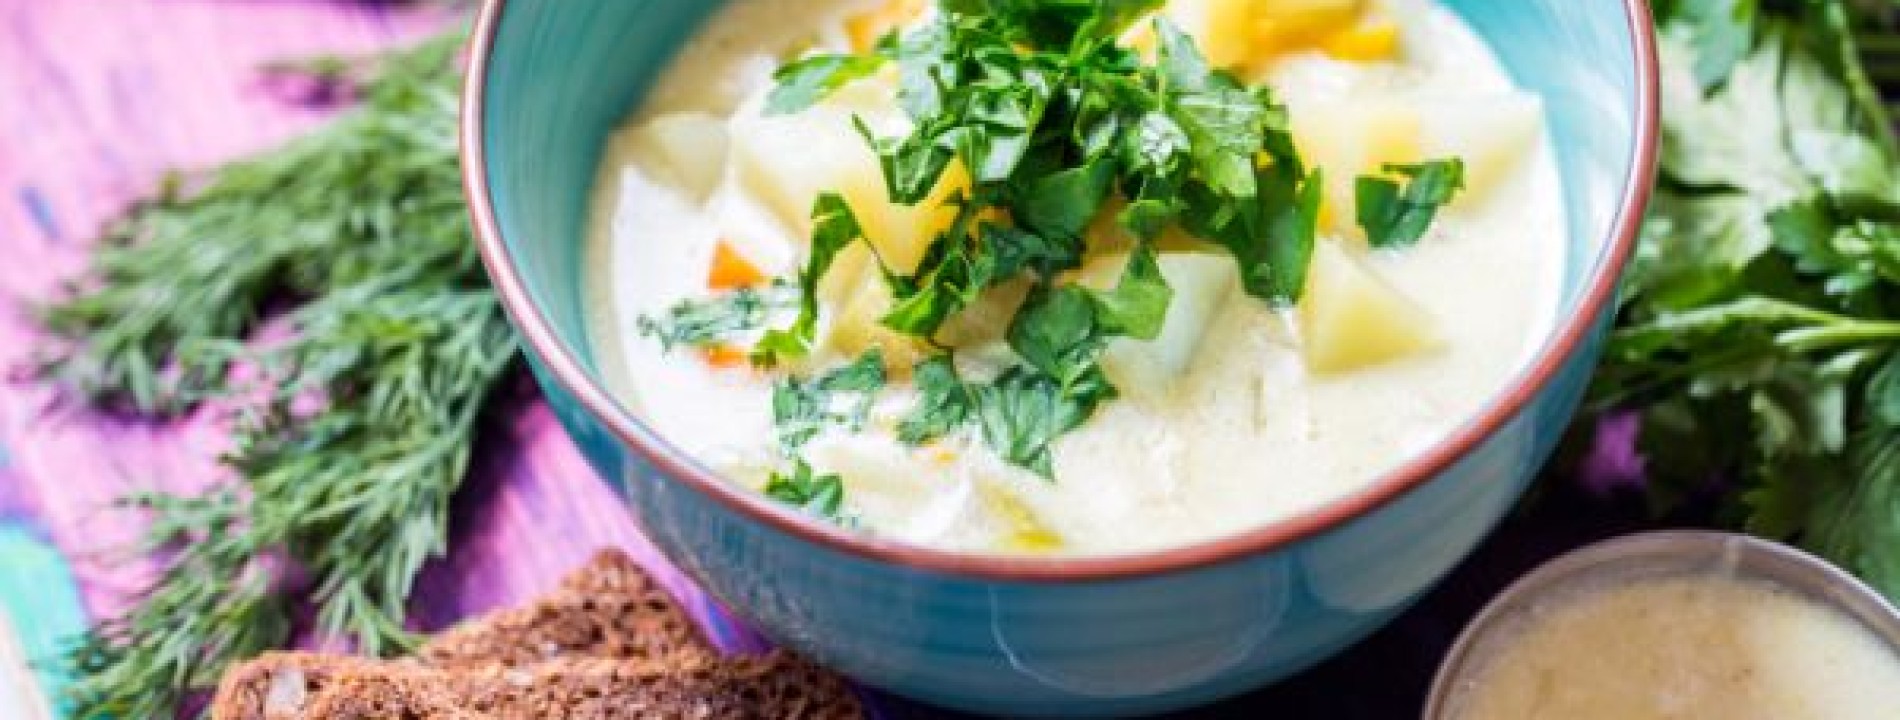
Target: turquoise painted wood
(564, 72)
(40, 602)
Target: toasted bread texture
(609, 643)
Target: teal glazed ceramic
(1045, 637)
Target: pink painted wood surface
(97, 99)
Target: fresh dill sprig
(361, 423)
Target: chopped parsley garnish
(1047, 123)
(804, 82)
(821, 495)
(714, 320)
(1024, 411)
(1019, 414)
(801, 409)
(943, 405)
(834, 228)
(1396, 214)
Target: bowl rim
(565, 369)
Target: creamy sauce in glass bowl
(1708, 646)
(1233, 419)
(1677, 625)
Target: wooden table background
(99, 97)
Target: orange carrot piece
(731, 271)
(724, 357)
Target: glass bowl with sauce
(1677, 625)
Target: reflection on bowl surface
(1093, 636)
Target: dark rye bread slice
(608, 643)
(302, 686)
(773, 686)
(609, 608)
(284, 686)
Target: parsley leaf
(821, 495)
(1225, 124)
(700, 323)
(801, 409)
(1397, 215)
(944, 405)
(835, 227)
(1023, 411)
(1137, 306)
(1059, 331)
(807, 81)
(1271, 237)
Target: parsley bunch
(346, 453)
(1760, 332)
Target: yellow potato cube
(1371, 40)
(787, 161)
(1495, 135)
(1202, 283)
(1350, 139)
(1284, 23)
(686, 149)
(857, 325)
(1351, 319)
(986, 320)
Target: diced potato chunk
(858, 325)
(1492, 134)
(685, 149)
(788, 161)
(1290, 22)
(1350, 139)
(1351, 319)
(1372, 39)
(1152, 369)
(1237, 33)
(1223, 29)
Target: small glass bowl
(1653, 556)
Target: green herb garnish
(347, 455)
(711, 321)
(834, 229)
(821, 495)
(1023, 412)
(802, 409)
(802, 83)
(1054, 122)
(944, 402)
(1019, 414)
(1396, 214)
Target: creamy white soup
(1247, 405)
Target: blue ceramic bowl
(1090, 637)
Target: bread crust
(608, 644)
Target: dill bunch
(359, 426)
